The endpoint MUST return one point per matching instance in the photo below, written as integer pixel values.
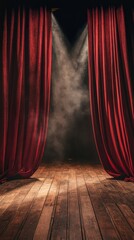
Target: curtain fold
(25, 74)
(110, 85)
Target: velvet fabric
(25, 73)
(110, 42)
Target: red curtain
(25, 70)
(110, 85)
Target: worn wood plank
(60, 223)
(121, 224)
(90, 225)
(32, 218)
(128, 214)
(111, 198)
(17, 211)
(117, 192)
(11, 208)
(75, 231)
(46, 217)
(105, 224)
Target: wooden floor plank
(111, 198)
(128, 214)
(105, 224)
(10, 209)
(59, 229)
(20, 208)
(67, 201)
(34, 213)
(75, 231)
(90, 225)
(44, 224)
(22, 211)
(121, 224)
(117, 192)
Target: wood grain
(67, 201)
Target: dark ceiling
(66, 3)
(71, 22)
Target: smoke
(69, 94)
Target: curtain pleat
(25, 74)
(110, 88)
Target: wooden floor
(67, 202)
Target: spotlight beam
(67, 86)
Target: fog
(69, 96)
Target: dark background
(78, 142)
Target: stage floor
(67, 201)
